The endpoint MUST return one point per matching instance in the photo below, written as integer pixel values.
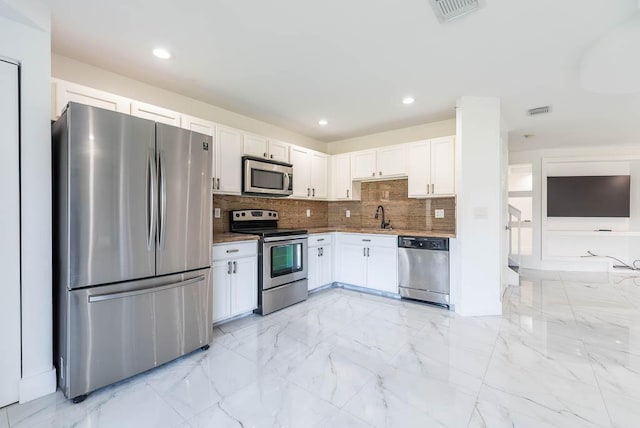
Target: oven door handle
(286, 182)
(286, 238)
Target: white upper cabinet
(261, 147)
(310, 177)
(255, 145)
(341, 177)
(392, 161)
(158, 114)
(278, 151)
(199, 125)
(228, 161)
(385, 162)
(66, 92)
(443, 166)
(432, 168)
(363, 165)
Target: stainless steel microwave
(262, 177)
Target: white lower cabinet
(320, 261)
(369, 261)
(234, 277)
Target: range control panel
(252, 215)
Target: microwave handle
(287, 180)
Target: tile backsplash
(404, 213)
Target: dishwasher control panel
(420, 243)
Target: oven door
(284, 260)
(266, 178)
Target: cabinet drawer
(367, 240)
(320, 239)
(234, 250)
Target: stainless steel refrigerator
(132, 228)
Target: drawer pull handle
(366, 240)
(321, 239)
(235, 250)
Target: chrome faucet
(383, 224)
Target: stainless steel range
(282, 264)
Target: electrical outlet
(348, 213)
(216, 212)
(439, 213)
(308, 213)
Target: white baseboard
(37, 386)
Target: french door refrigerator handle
(152, 191)
(163, 201)
(111, 296)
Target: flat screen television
(589, 196)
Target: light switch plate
(308, 213)
(348, 213)
(216, 212)
(439, 213)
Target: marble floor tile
(565, 353)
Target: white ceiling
(292, 62)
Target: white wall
(28, 42)
(626, 248)
(478, 253)
(397, 136)
(84, 74)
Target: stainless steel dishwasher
(423, 269)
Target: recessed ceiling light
(323, 122)
(162, 53)
(408, 100)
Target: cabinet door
(221, 283)
(326, 266)
(419, 169)
(319, 167)
(244, 285)
(392, 161)
(314, 268)
(199, 125)
(66, 92)
(443, 166)
(278, 151)
(352, 264)
(301, 160)
(155, 113)
(255, 145)
(341, 176)
(363, 164)
(382, 269)
(228, 161)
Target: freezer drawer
(116, 331)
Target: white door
(319, 167)
(221, 291)
(341, 176)
(314, 266)
(363, 164)
(382, 266)
(301, 160)
(419, 169)
(158, 114)
(392, 161)
(228, 161)
(278, 151)
(245, 285)
(66, 92)
(9, 230)
(325, 274)
(442, 166)
(353, 265)
(256, 146)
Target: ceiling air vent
(539, 110)
(448, 10)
